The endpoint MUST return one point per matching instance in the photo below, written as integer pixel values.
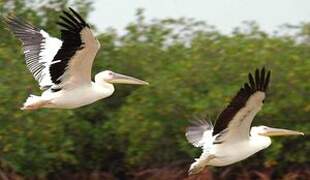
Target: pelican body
(232, 139)
(73, 98)
(63, 66)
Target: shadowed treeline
(138, 133)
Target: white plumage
(63, 66)
(50, 47)
(232, 139)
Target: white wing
(200, 133)
(39, 49)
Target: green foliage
(194, 71)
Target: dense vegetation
(194, 70)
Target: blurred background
(195, 55)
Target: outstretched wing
(39, 49)
(57, 63)
(73, 62)
(235, 121)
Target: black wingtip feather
(66, 26)
(16, 24)
(262, 78)
(267, 80)
(73, 19)
(260, 81)
(78, 16)
(69, 22)
(251, 81)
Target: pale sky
(224, 14)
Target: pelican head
(269, 131)
(116, 78)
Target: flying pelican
(62, 66)
(232, 139)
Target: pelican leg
(200, 164)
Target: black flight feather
(32, 41)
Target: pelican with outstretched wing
(63, 66)
(232, 139)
